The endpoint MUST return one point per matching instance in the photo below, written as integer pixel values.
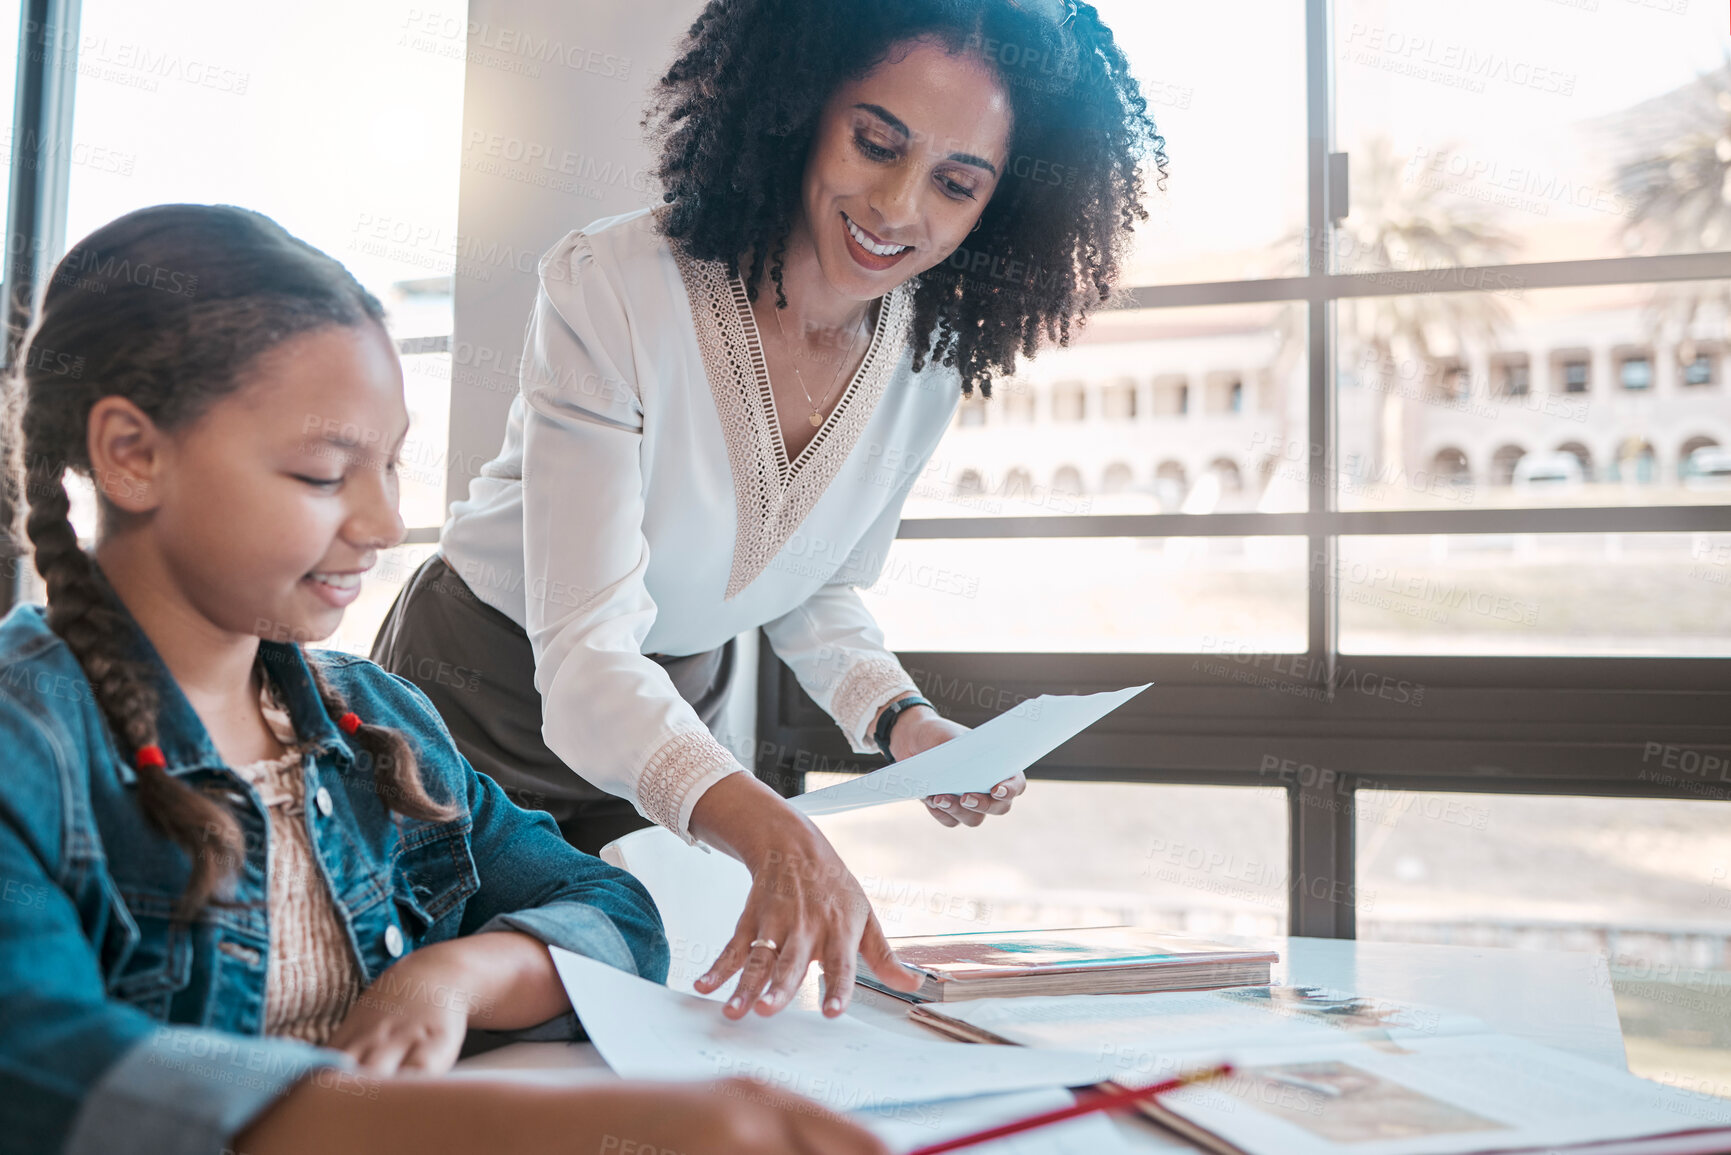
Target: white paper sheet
(978, 760)
(700, 895)
(1168, 1031)
(646, 1031)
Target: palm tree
(1401, 223)
(1680, 201)
(1680, 194)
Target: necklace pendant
(816, 420)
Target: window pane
(1487, 133)
(211, 102)
(426, 464)
(1201, 859)
(9, 13)
(1604, 396)
(1536, 594)
(1197, 410)
(1094, 595)
(1646, 882)
(378, 590)
(1234, 205)
(349, 141)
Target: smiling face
(903, 162)
(267, 509)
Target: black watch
(887, 721)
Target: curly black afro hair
(735, 116)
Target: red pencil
(1111, 1101)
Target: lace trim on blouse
(865, 688)
(314, 977)
(773, 495)
(680, 763)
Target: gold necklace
(816, 417)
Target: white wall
(553, 97)
(552, 105)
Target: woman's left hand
(919, 729)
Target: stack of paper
(1096, 960)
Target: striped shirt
(314, 976)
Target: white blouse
(643, 503)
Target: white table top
(1559, 999)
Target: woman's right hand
(803, 899)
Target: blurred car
(1549, 471)
(1708, 467)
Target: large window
(341, 121)
(1198, 859)
(1411, 493)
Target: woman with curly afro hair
(872, 208)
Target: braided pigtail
(396, 773)
(79, 613)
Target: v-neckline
(773, 494)
(766, 391)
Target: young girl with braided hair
(253, 897)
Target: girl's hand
(920, 728)
(730, 1117)
(803, 899)
(414, 1017)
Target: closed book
(1083, 961)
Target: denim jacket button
(393, 941)
(323, 800)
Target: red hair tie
(349, 722)
(149, 758)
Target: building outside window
(1017, 400)
(1067, 481)
(1581, 454)
(1069, 401)
(1635, 372)
(1698, 370)
(1118, 401)
(1514, 376)
(1171, 397)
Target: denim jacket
(121, 1030)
